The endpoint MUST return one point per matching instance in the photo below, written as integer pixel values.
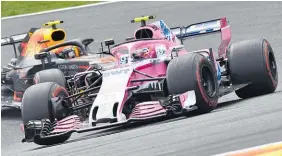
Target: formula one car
(155, 77)
(69, 56)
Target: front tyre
(194, 71)
(37, 105)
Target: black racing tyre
(253, 61)
(194, 71)
(37, 105)
(50, 75)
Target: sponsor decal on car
(165, 30)
(68, 67)
(120, 71)
(160, 50)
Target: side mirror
(109, 42)
(87, 41)
(41, 56)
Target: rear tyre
(37, 105)
(253, 61)
(194, 71)
(50, 75)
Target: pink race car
(153, 76)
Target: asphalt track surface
(236, 124)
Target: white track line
(58, 10)
(248, 149)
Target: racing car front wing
(44, 129)
(145, 111)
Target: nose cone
(113, 91)
(107, 106)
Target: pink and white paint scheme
(155, 50)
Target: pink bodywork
(153, 108)
(159, 70)
(150, 109)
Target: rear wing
(13, 39)
(18, 38)
(204, 28)
(201, 28)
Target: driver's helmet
(142, 53)
(68, 52)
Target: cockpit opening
(144, 33)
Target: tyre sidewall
(202, 97)
(184, 74)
